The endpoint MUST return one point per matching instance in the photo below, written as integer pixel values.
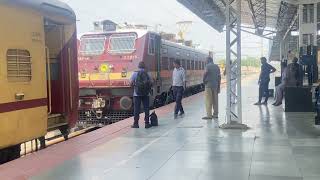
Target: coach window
(18, 65)
(183, 63)
(164, 64)
(192, 65)
(188, 64)
(171, 63)
(152, 44)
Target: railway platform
(278, 146)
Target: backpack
(142, 84)
(154, 119)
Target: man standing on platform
(212, 81)
(264, 79)
(142, 84)
(178, 86)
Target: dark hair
(177, 62)
(141, 65)
(209, 60)
(263, 59)
(295, 60)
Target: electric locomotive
(108, 57)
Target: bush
(248, 62)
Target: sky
(163, 12)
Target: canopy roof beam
(259, 14)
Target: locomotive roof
(174, 44)
(51, 9)
(141, 33)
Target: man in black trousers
(264, 79)
(178, 86)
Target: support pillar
(233, 66)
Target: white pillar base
(234, 125)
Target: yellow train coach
(38, 72)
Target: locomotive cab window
(152, 44)
(18, 65)
(92, 45)
(122, 43)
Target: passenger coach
(38, 72)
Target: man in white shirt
(178, 85)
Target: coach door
(54, 34)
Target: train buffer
(277, 145)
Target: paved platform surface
(279, 146)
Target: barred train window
(18, 65)
(122, 43)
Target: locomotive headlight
(104, 68)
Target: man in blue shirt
(141, 82)
(264, 79)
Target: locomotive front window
(122, 43)
(92, 46)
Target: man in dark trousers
(142, 83)
(264, 79)
(178, 85)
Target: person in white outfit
(280, 88)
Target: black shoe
(175, 116)
(264, 103)
(135, 126)
(147, 126)
(181, 114)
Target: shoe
(278, 104)
(175, 116)
(215, 116)
(257, 103)
(135, 126)
(148, 125)
(207, 118)
(265, 103)
(181, 114)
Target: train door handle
(19, 96)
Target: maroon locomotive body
(108, 59)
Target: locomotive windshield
(122, 43)
(92, 45)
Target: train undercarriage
(104, 112)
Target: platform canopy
(272, 19)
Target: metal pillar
(233, 66)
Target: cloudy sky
(153, 12)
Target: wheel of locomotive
(42, 142)
(170, 97)
(157, 102)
